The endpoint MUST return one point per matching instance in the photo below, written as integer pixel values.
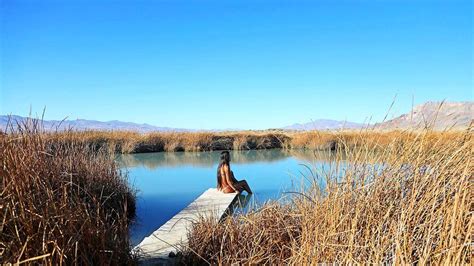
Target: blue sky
(238, 64)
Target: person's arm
(227, 177)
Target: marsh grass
(133, 142)
(62, 202)
(405, 197)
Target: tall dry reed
(406, 201)
(133, 142)
(62, 202)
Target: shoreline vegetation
(405, 198)
(124, 142)
(62, 203)
(409, 202)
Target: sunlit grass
(61, 201)
(133, 142)
(404, 198)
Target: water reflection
(168, 182)
(208, 159)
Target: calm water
(168, 182)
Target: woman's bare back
(230, 184)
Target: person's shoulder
(225, 167)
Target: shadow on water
(240, 204)
(243, 200)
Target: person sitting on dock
(226, 182)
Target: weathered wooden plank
(171, 236)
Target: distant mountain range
(115, 125)
(324, 124)
(447, 114)
(83, 124)
(436, 115)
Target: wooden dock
(172, 236)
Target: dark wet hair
(225, 157)
(224, 160)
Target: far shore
(133, 142)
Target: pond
(169, 181)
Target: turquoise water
(168, 182)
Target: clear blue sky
(238, 64)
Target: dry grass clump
(214, 241)
(368, 139)
(61, 201)
(314, 140)
(188, 141)
(209, 141)
(113, 141)
(133, 142)
(258, 141)
(323, 140)
(409, 202)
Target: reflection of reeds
(61, 202)
(404, 199)
(308, 155)
(206, 159)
